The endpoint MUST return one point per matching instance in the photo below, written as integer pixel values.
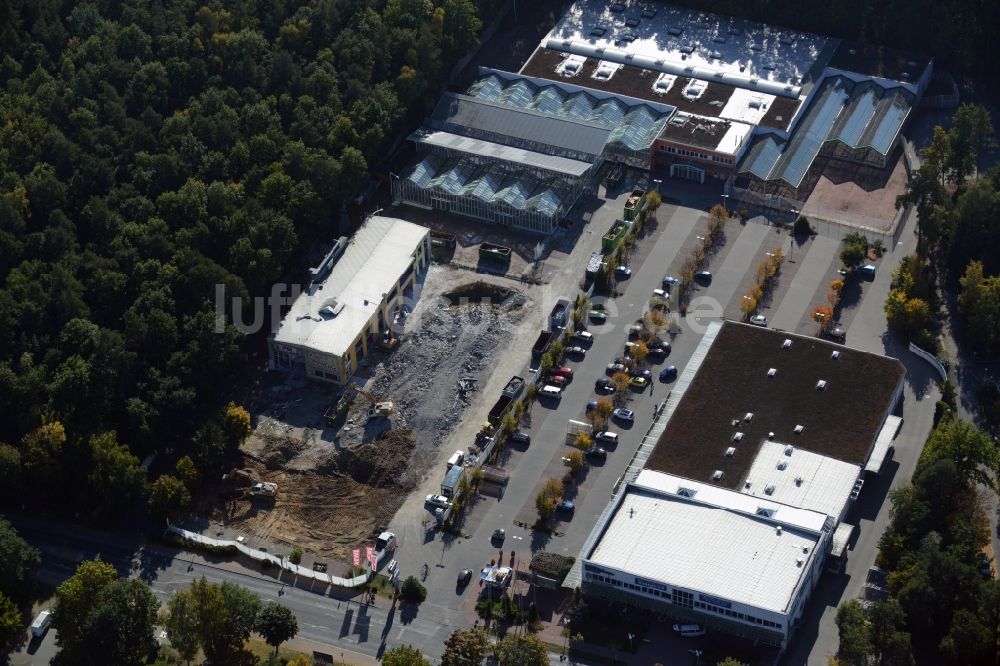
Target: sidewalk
(341, 657)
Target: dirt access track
(338, 486)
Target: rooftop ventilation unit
(617, 6)
(746, 484)
(769, 489)
(782, 465)
(787, 41)
(835, 355)
(764, 511)
(675, 30)
(730, 452)
(685, 492)
(821, 385)
(648, 12)
(798, 429)
(687, 49)
(778, 530)
(632, 22)
(749, 417)
(735, 31)
(756, 47)
(805, 550)
(770, 435)
(787, 344)
(717, 475)
(798, 481)
(771, 372)
(736, 422)
(719, 39)
(737, 437)
(715, 55)
(789, 450)
(598, 31)
(798, 561)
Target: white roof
(378, 254)
(747, 106)
(690, 43)
(465, 144)
(882, 443)
(705, 546)
(825, 483)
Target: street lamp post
(725, 198)
(657, 181)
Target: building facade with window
(333, 324)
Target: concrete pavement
(809, 277)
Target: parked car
(660, 351)
(598, 316)
(643, 373)
(659, 293)
(464, 577)
(624, 272)
(498, 535)
(565, 505)
(868, 270)
(983, 564)
(614, 367)
(591, 406)
(638, 382)
(758, 320)
(565, 372)
(607, 437)
(584, 337)
(634, 330)
(576, 351)
(597, 453)
(703, 276)
(603, 385)
(437, 501)
(669, 280)
(668, 374)
(837, 333)
(623, 414)
(41, 624)
(689, 630)
(520, 438)
(557, 380)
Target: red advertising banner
(370, 555)
(356, 556)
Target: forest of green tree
(149, 151)
(956, 33)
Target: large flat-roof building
(729, 516)
(332, 325)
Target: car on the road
(584, 337)
(437, 501)
(598, 316)
(623, 414)
(604, 385)
(612, 368)
(464, 577)
(520, 438)
(565, 505)
(638, 382)
(643, 373)
(576, 351)
(669, 280)
(668, 374)
(703, 276)
(837, 333)
(758, 320)
(564, 371)
(623, 272)
(498, 535)
(597, 453)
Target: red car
(565, 372)
(557, 380)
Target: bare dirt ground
(854, 205)
(339, 486)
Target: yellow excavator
(375, 407)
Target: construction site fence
(261, 556)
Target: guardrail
(932, 359)
(262, 556)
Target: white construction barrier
(932, 359)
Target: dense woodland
(149, 151)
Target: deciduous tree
(465, 647)
(277, 624)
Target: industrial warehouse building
(350, 303)
(765, 109)
(728, 518)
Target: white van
(456, 459)
(689, 630)
(550, 391)
(41, 624)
